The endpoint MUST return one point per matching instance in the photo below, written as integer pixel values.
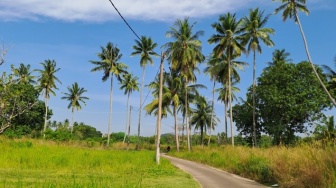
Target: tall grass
(31, 163)
(302, 166)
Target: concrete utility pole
(158, 123)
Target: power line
(143, 102)
(124, 20)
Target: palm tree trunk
(230, 99)
(159, 114)
(72, 119)
(140, 109)
(311, 62)
(212, 106)
(226, 101)
(128, 96)
(183, 130)
(202, 136)
(45, 116)
(225, 113)
(110, 116)
(186, 114)
(254, 142)
(176, 130)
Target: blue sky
(71, 33)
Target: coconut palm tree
(184, 54)
(47, 82)
(202, 116)
(255, 33)
(174, 84)
(145, 48)
(129, 83)
(23, 74)
(229, 41)
(222, 70)
(110, 65)
(279, 56)
(210, 69)
(290, 10)
(190, 93)
(75, 98)
(152, 107)
(223, 96)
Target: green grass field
(34, 163)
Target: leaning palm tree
(255, 33)
(23, 74)
(184, 53)
(229, 41)
(145, 48)
(110, 65)
(129, 83)
(47, 82)
(290, 10)
(75, 98)
(202, 116)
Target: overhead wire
(124, 19)
(140, 40)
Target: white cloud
(100, 11)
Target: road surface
(210, 177)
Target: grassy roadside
(33, 163)
(304, 166)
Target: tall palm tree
(174, 84)
(222, 70)
(152, 107)
(202, 116)
(47, 82)
(110, 65)
(75, 98)
(210, 69)
(129, 83)
(184, 53)
(223, 96)
(290, 10)
(145, 48)
(255, 33)
(23, 74)
(229, 41)
(188, 94)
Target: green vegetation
(283, 102)
(303, 166)
(32, 163)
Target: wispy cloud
(100, 11)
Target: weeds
(303, 166)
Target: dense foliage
(288, 97)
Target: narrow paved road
(210, 177)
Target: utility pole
(158, 123)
